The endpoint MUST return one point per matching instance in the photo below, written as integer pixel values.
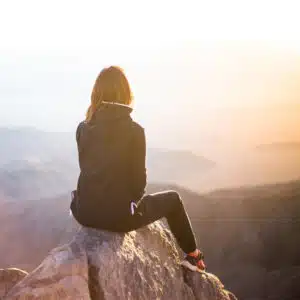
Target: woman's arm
(139, 174)
(79, 133)
(79, 140)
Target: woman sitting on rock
(110, 192)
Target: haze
(205, 75)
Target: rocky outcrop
(8, 278)
(142, 264)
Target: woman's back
(105, 140)
(110, 177)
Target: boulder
(142, 264)
(8, 278)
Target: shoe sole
(189, 266)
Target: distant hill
(32, 227)
(264, 164)
(31, 144)
(26, 150)
(176, 167)
(269, 204)
(31, 181)
(193, 171)
(281, 146)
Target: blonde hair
(110, 86)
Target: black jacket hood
(106, 115)
(111, 111)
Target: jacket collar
(112, 111)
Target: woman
(111, 185)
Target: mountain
(177, 167)
(221, 167)
(279, 147)
(31, 144)
(29, 153)
(31, 180)
(34, 226)
(264, 164)
(245, 233)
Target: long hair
(110, 86)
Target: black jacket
(112, 151)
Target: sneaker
(194, 263)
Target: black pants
(165, 204)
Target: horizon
(192, 87)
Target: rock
(206, 286)
(142, 264)
(232, 296)
(8, 278)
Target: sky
(201, 71)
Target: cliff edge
(142, 264)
